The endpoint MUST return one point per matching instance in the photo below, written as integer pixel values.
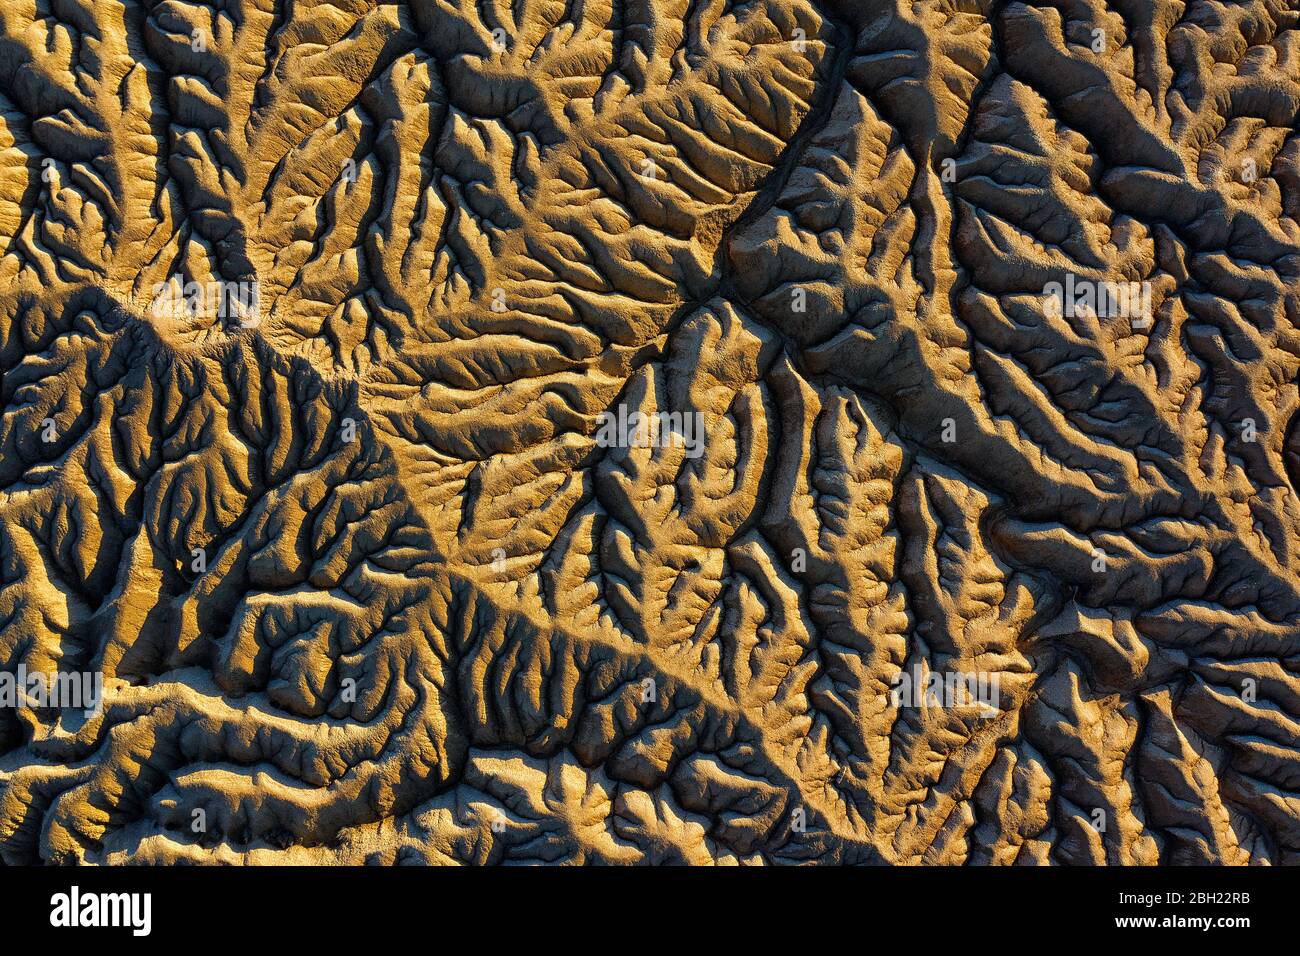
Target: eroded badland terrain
(650, 431)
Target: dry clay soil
(364, 583)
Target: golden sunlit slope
(650, 431)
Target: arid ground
(650, 431)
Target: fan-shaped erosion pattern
(650, 431)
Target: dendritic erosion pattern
(650, 431)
